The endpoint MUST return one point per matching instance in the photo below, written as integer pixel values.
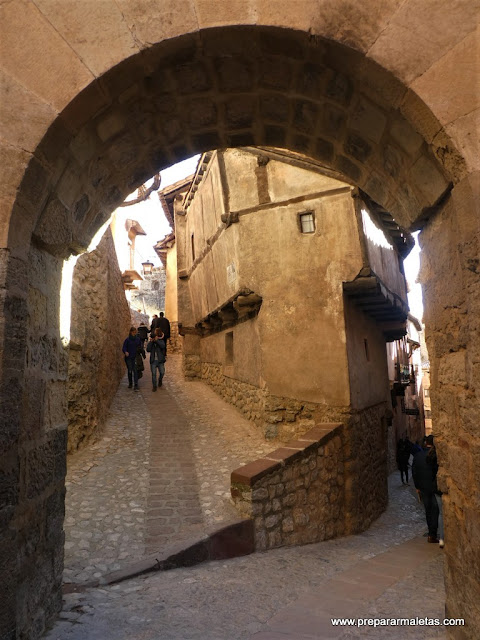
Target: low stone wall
(295, 495)
(99, 325)
(277, 417)
(248, 399)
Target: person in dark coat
(142, 331)
(424, 472)
(154, 325)
(156, 349)
(131, 347)
(404, 448)
(164, 324)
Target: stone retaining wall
(295, 495)
(277, 417)
(99, 325)
(248, 399)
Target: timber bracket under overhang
(245, 305)
(376, 300)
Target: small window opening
(365, 346)
(307, 222)
(229, 347)
(427, 393)
(193, 247)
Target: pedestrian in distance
(164, 324)
(131, 347)
(417, 446)
(424, 472)
(433, 463)
(154, 325)
(404, 448)
(156, 348)
(143, 332)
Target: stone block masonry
(295, 495)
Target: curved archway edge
(231, 86)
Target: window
(307, 222)
(428, 414)
(229, 347)
(193, 248)
(427, 393)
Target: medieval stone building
(286, 310)
(290, 283)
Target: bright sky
(412, 267)
(149, 213)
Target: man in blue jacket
(131, 346)
(156, 348)
(424, 472)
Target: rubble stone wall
(247, 398)
(276, 417)
(366, 466)
(295, 495)
(99, 325)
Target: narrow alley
(161, 473)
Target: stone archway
(88, 139)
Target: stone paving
(387, 571)
(107, 488)
(159, 473)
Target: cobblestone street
(160, 473)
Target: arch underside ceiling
(221, 88)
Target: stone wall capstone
(99, 325)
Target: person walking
(433, 463)
(142, 332)
(154, 325)
(131, 346)
(156, 348)
(164, 324)
(424, 472)
(404, 448)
